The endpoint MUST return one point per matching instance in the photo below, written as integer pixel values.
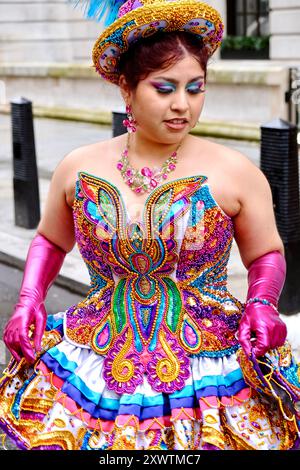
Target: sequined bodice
(158, 287)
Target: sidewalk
(54, 139)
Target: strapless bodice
(158, 286)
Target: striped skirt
(62, 402)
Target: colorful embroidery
(148, 358)
(155, 292)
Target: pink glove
(266, 276)
(43, 263)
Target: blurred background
(45, 57)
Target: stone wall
(45, 55)
(285, 30)
(64, 90)
(45, 31)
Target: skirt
(62, 402)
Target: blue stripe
(187, 391)
(219, 380)
(53, 365)
(95, 397)
(57, 361)
(78, 383)
(146, 413)
(142, 400)
(137, 404)
(186, 402)
(95, 412)
(222, 391)
(135, 399)
(130, 410)
(87, 405)
(154, 411)
(209, 385)
(52, 323)
(62, 359)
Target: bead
(145, 178)
(146, 171)
(262, 301)
(153, 183)
(200, 276)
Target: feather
(100, 9)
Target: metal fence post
(25, 178)
(279, 162)
(118, 127)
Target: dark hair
(160, 51)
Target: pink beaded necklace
(146, 179)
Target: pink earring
(130, 122)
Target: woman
(159, 355)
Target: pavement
(53, 140)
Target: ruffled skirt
(63, 403)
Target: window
(248, 17)
(247, 30)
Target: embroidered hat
(136, 19)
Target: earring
(130, 122)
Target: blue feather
(98, 9)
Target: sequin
(148, 359)
(194, 17)
(142, 296)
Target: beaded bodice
(158, 286)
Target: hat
(137, 19)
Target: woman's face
(167, 104)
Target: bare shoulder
(245, 173)
(77, 157)
(84, 158)
(235, 165)
(231, 174)
(227, 156)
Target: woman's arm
(255, 226)
(45, 257)
(262, 252)
(56, 223)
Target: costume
(150, 359)
(139, 19)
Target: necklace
(146, 179)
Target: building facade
(263, 29)
(45, 54)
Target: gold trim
(175, 14)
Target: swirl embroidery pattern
(135, 312)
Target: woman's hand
(19, 337)
(261, 329)
(44, 260)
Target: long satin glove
(44, 260)
(266, 276)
